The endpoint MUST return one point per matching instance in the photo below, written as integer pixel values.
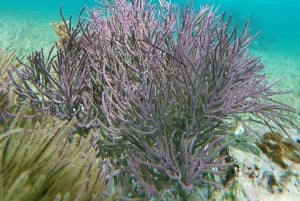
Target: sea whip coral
(171, 79)
(159, 84)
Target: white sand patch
(25, 33)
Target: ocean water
(25, 27)
(44, 7)
(277, 19)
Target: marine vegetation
(157, 83)
(10, 104)
(42, 158)
(39, 163)
(61, 30)
(279, 149)
(6, 60)
(59, 83)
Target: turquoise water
(44, 8)
(25, 24)
(277, 19)
(25, 27)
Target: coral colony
(156, 84)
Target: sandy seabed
(24, 33)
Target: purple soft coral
(158, 83)
(170, 82)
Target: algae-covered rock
(258, 177)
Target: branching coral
(59, 83)
(39, 163)
(61, 30)
(170, 84)
(158, 84)
(6, 60)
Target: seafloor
(25, 33)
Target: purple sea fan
(169, 80)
